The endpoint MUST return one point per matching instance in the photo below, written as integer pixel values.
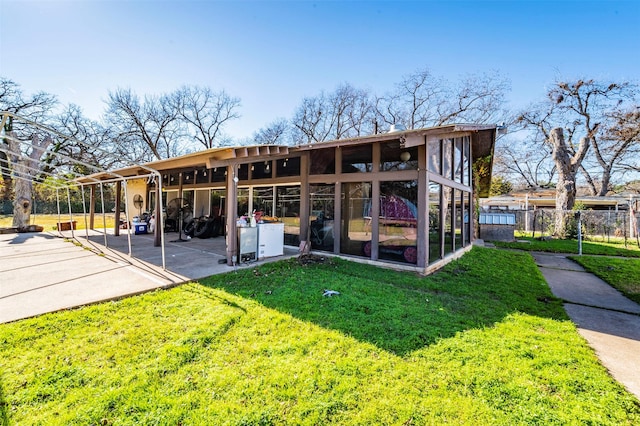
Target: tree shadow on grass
(397, 311)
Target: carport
(91, 186)
(26, 160)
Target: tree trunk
(22, 202)
(567, 166)
(24, 167)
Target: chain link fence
(596, 225)
(48, 207)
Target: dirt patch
(308, 258)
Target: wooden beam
(423, 209)
(232, 213)
(305, 210)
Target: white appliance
(270, 239)
(247, 244)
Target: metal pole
(58, 205)
(104, 216)
(579, 233)
(526, 214)
(631, 218)
(159, 220)
(126, 215)
(84, 211)
(70, 214)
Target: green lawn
(616, 247)
(623, 274)
(481, 342)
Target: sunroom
(403, 199)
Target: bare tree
(414, 103)
(274, 133)
(617, 149)
(25, 162)
(82, 142)
(144, 131)
(345, 113)
(205, 112)
(597, 108)
(17, 159)
(581, 109)
(423, 100)
(476, 98)
(524, 164)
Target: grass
(621, 273)
(555, 245)
(50, 221)
(262, 346)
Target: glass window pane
(448, 212)
(457, 205)
(392, 157)
(321, 219)
(397, 237)
(447, 158)
(261, 170)
(243, 172)
(218, 199)
(263, 200)
(203, 176)
(434, 155)
(188, 177)
(243, 202)
(201, 203)
(357, 159)
(356, 220)
(434, 222)
(288, 210)
(457, 160)
(219, 174)
(323, 161)
(288, 167)
(467, 218)
(217, 212)
(466, 175)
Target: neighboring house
(546, 199)
(404, 197)
(616, 214)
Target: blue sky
(272, 54)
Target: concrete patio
(50, 271)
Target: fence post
(579, 217)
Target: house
(403, 198)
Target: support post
(84, 213)
(126, 216)
(157, 213)
(116, 230)
(104, 216)
(92, 206)
(73, 234)
(579, 216)
(58, 205)
(232, 212)
(305, 210)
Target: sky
(272, 54)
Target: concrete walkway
(605, 318)
(45, 272)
